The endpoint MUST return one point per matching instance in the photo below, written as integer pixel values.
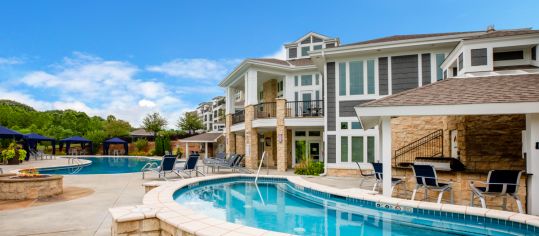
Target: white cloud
(197, 68)
(10, 61)
(280, 54)
(100, 87)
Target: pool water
(285, 208)
(103, 165)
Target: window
(356, 125)
(296, 80)
(342, 78)
(300, 133)
(317, 79)
(306, 80)
(356, 77)
(344, 125)
(370, 77)
(304, 51)
(237, 96)
(280, 86)
(295, 96)
(317, 96)
(344, 149)
(504, 56)
(461, 61)
(317, 47)
(314, 133)
(261, 95)
(292, 52)
(370, 149)
(439, 60)
(357, 149)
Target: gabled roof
(38, 137)
(503, 33)
(295, 62)
(308, 35)
(203, 138)
(407, 37)
(115, 141)
(141, 133)
(474, 90)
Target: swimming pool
(102, 165)
(278, 205)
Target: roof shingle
(476, 90)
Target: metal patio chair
(167, 165)
(425, 176)
(365, 173)
(500, 183)
(379, 175)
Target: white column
(206, 149)
(229, 105)
(532, 162)
(186, 150)
(251, 88)
(386, 154)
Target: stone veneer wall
(21, 189)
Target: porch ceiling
(511, 94)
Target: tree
(97, 137)
(190, 122)
(116, 128)
(154, 123)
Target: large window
(370, 149)
(344, 149)
(305, 51)
(306, 80)
(357, 149)
(342, 78)
(356, 77)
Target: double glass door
(305, 149)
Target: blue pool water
(278, 205)
(103, 165)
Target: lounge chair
(379, 175)
(500, 183)
(364, 173)
(230, 162)
(189, 167)
(239, 167)
(425, 176)
(167, 165)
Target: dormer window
(292, 53)
(310, 42)
(305, 51)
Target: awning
(7, 133)
(203, 138)
(108, 142)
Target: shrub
(309, 167)
(13, 151)
(141, 144)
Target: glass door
(301, 150)
(314, 150)
(306, 97)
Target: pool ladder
(260, 166)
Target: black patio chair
(167, 165)
(189, 167)
(425, 176)
(379, 175)
(364, 173)
(500, 183)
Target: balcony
(266, 110)
(299, 109)
(238, 117)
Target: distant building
(212, 114)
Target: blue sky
(129, 58)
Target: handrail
(260, 166)
(265, 110)
(310, 108)
(430, 145)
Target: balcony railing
(312, 108)
(266, 110)
(238, 117)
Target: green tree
(154, 123)
(141, 144)
(190, 122)
(116, 128)
(97, 137)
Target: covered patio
(207, 139)
(489, 122)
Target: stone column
(240, 144)
(282, 137)
(251, 139)
(230, 137)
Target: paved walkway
(89, 215)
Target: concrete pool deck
(89, 215)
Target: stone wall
(270, 90)
(20, 189)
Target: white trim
(259, 123)
(303, 122)
(237, 127)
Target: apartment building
(212, 114)
(304, 106)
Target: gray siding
(479, 57)
(292, 52)
(346, 108)
(330, 109)
(404, 73)
(425, 68)
(332, 149)
(383, 76)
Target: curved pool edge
(159, 204)
(83, 163)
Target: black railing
(266, 110)
(238, 117)
(312, 108)
(431, 145)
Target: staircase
(431, 145)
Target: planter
(13, 187)
(13, 161)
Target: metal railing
(238, 117)
(266, 110)
(312, 108)
(431, 145)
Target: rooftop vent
(490, 29)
